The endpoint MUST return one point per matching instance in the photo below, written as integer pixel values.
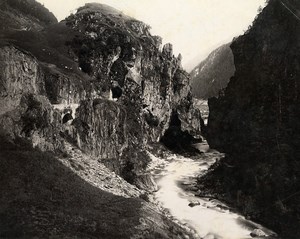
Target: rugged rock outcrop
(102, 55)
(97, 87)
(213, 74)
(256, 122)
(24, 111)
(126, 65)
(20, 74)
(102, 128)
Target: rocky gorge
(123, 79)
(91, 106)
(80, 101)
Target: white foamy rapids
(206, 217)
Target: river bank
(176, 177)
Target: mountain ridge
(213, 74)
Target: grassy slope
(41, 197)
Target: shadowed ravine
(209, 217)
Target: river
(211, 219)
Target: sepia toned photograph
(149, 119)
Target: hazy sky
(194, 27)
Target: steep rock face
(126, 60)
(63, 87)
(93, 58)
(20, 74)
(34, 121)
(256, 122)
(111, 71)
(101, 129)
(24, 112)
(213, 74)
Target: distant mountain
(213, 74)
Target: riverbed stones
(258, 233)
(193, 204)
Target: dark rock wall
(24, 111)
(126, 65)
(101, 129)
(256, 122)
(121, 56)
(20, 74)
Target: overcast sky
(194, 27)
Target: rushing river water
(209, 218)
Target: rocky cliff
(122, 57)
(97, 84)
(213, 74)
(110, 63)
(24, 110)
(256, 122)
(133, 88)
